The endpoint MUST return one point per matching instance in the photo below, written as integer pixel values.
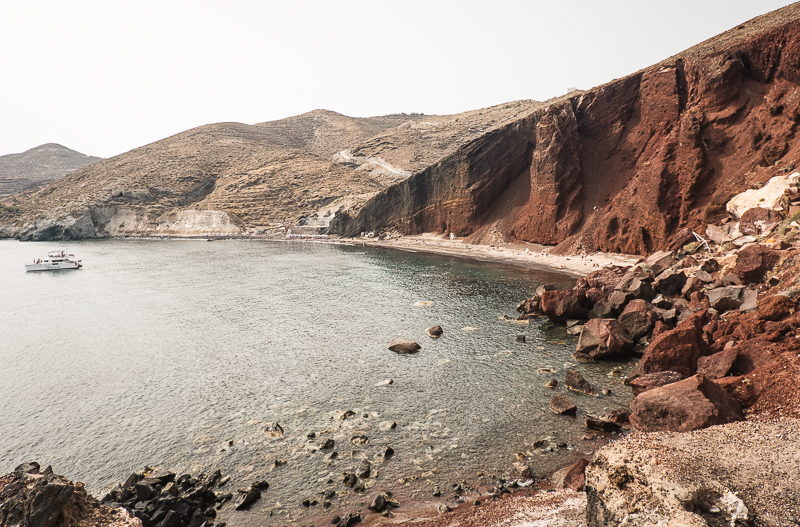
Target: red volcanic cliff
(626, 166)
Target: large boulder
(776, 307)
(759, 221)
(404, 346)
(726, 298)
(753, 262)
(660, 261)
(605, 279)
(717, 365)
(650, 381)
(603, 338)
(675, 350)
(570, 477)
(559, 306)
(638, 318)
(770, 196)
(690, 404)
(530, 305)
(670, 282)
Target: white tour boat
(55, 260)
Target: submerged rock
(575, 382)
(561, 404)
(404, 346)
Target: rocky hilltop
(236, 178)
(625, 166)
(39, 165)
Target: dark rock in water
(601, 425)
(378, 504)
(261, 485)
(388, 453)
(364, 470)
(404, 346)
(311, 435)
(621, 416)
(691, 404)
(274, 430)
(575, 382)
(252, 496)
(359, 439)
(349, 479)
(434, 332)
(552, 383)
(328, 444)
(530, 306)
(561, 404)
(520, 338)
(560, 306)
(349, 519)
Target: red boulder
(691, 404)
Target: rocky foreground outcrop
(31, 497)
(736, 474)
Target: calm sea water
(178, 354)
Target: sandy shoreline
(529, 256)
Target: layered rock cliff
(626, 166)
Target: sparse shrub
(792, 292)
(691, 248)
(8, 209)
(788, 234)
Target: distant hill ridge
(233, 177)
(38, 165)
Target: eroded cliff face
(628, 166)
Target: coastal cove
(181, 354)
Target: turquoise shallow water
(177, 354)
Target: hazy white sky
(105, 77)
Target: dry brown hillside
(233, 177)
(38, 165)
